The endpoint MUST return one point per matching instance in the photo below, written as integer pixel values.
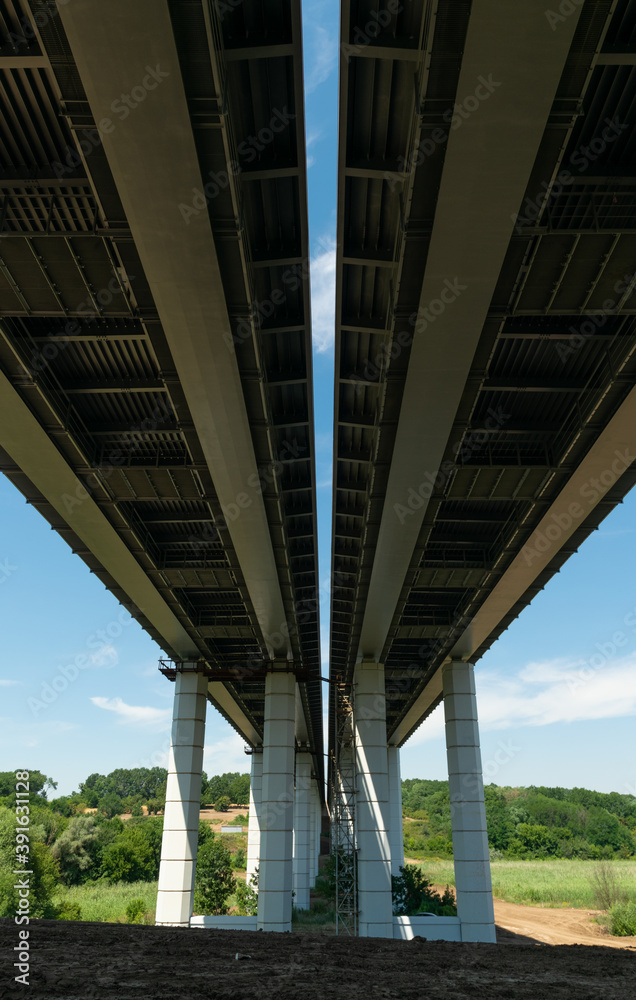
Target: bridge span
(156, 379)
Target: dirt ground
(554, 925)
(219, 819)
(564, 925)
(81, 961)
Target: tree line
(533, 822)
(134, 790)
(81, 838)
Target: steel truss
(344, 815)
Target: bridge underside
(155, 378)
(485, 400)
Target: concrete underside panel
(487, 166)
(31, 448)
(154, 162)
(612, 453)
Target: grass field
(539, 883)
(103, 902)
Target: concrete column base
(183, 801)
(396, 835)
(277, 814)
(375, 909)
(254, 823)
(302, 806)
(468, 813)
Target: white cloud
(227, 754)
(106, 656)
(8, 683)
(143, 715)
(547, 692)
(323, 298)
(322, 57)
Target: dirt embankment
(82, 961)
(557, 926)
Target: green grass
(241, 820)
(233, 841)
(107, 903)
(321, 919)
(103, 902)
(539, 883)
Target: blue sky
(556, 704)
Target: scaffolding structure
(344, 815)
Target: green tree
(39, 784)
(129, 858)
(239, 790)
(246, 899)
(214, 880)
(76, 850)
(43, 880)
(124, 782)
(111, 805)
(222, 804)
(412, 893)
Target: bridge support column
(183, 800)
(318, 808)
(277, 812)
(396, 835)
(254, 827)
(316, 822)
(302, 808)
(468, 812)
(312, 834)
(375, 910)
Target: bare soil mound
(80, 961)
